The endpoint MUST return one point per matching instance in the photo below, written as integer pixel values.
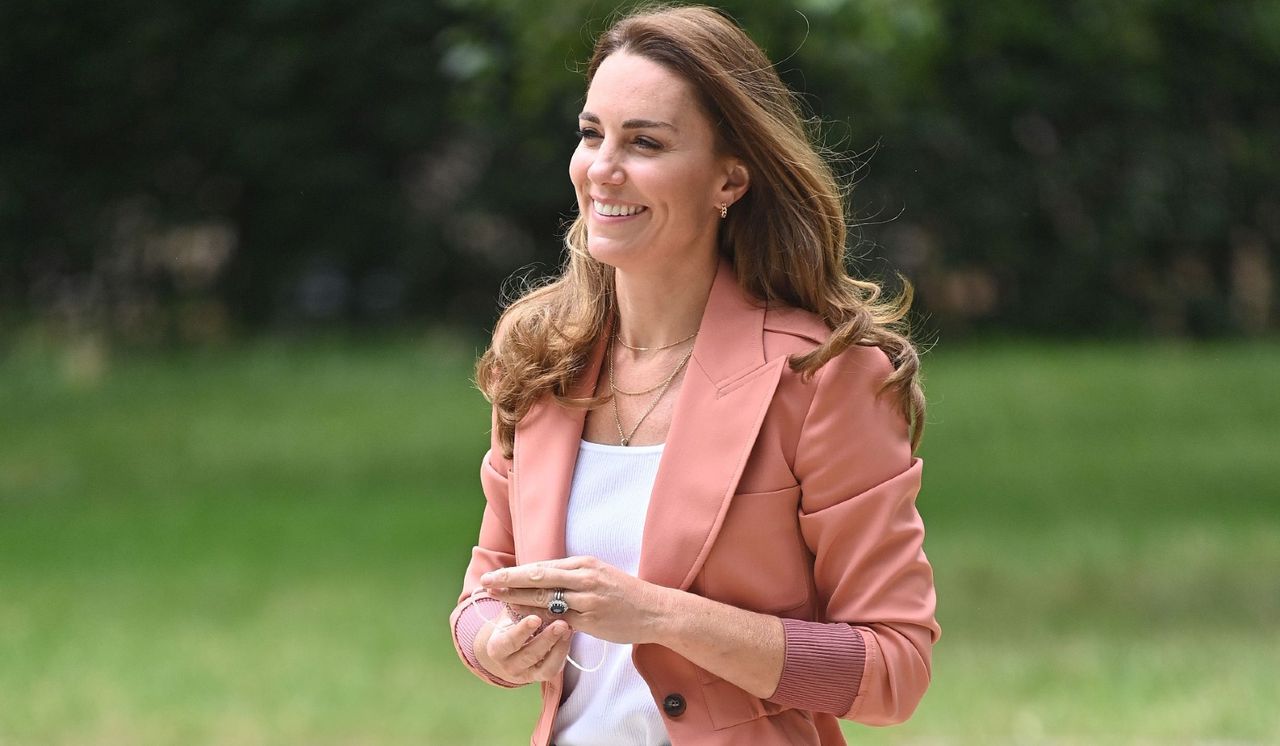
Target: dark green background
(180, 171)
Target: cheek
(578, 166)
(688, 188)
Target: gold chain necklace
(624, 438)
(654, 349)
(613, 384)
(650, 390)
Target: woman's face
(647, 175)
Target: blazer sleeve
(495, 548)
(859, 483)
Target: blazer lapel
(721, 406)
(543, 473)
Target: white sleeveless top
(611, 706)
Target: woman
(701, 484)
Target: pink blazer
(776, 494)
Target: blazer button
(673, 705)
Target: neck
(663, 307)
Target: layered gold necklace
(624, 437)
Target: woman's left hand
(604, 602)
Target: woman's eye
(590, 134)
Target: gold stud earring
(724, 210)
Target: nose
(605, 168)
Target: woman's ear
(737, 179)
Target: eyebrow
(631, 124)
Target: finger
(507, 641)
(542, 613)
(536, 598)
(554, 660)
(550, 574)
(536, 649)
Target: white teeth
(616, 210)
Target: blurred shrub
(184, 170)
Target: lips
(616, 209)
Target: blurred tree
(175, 171)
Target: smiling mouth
(616, 211)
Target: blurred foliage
(183, 171)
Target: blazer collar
(718, 414)
(719, 410)
(731, 336)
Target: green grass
(261, 545)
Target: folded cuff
(470, 622)
(823, 666)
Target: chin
(612, 253)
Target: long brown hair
(786, 236)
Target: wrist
(664, 616)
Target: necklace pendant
(625, 441)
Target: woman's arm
(745, 648)
(859, 482)
(742, 647)
(503, 651)
(494, 548)
(790, 662)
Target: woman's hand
(604, 602)
(518, 653)
(743, 647)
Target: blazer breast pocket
(759, 560)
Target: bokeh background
(249, 250)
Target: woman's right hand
(520, 654)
